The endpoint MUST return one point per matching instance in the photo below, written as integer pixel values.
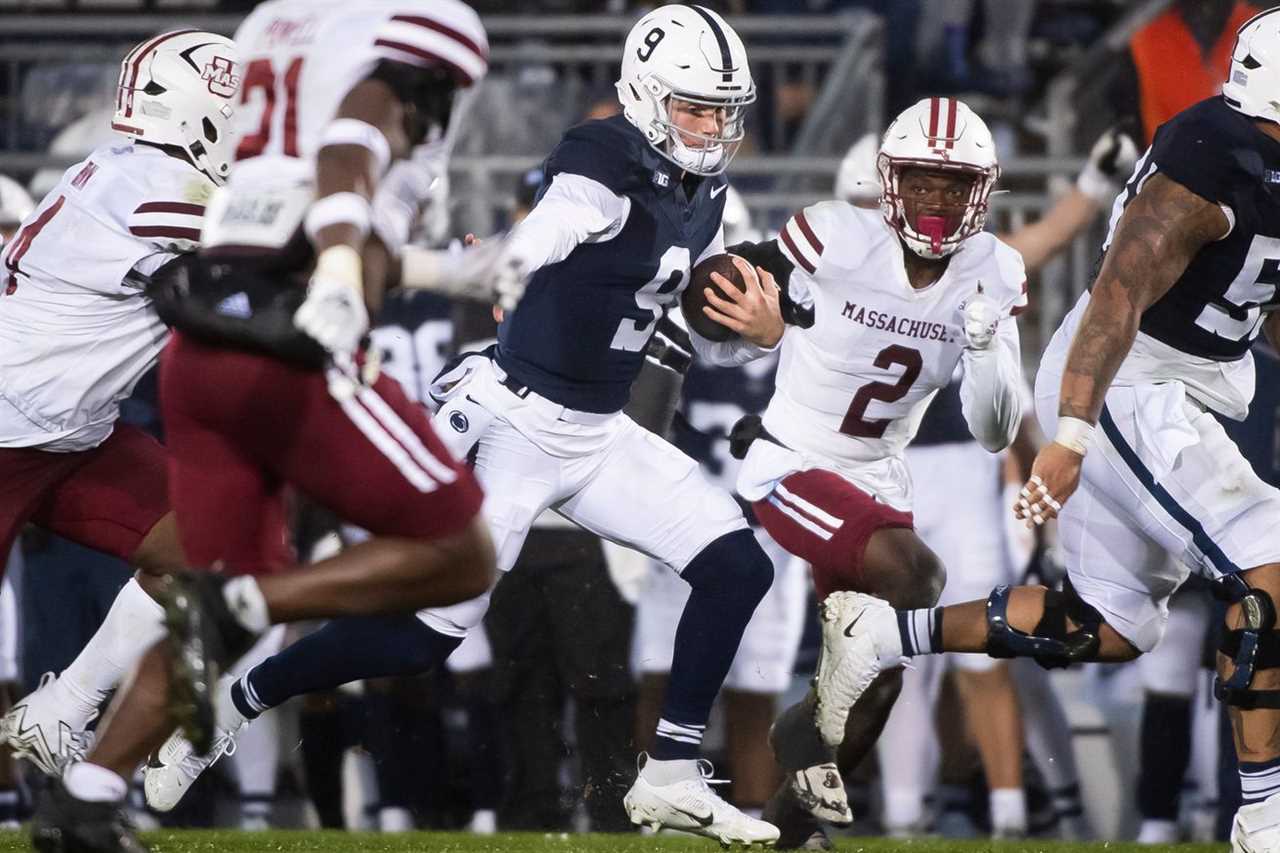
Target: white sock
(245, 600)
(1008, 809)
(94, 784)
(903, 808)
(133, 624)
(1158, 832)
(657, 772)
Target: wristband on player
(1074, 434)
(339, 209)
(342, 264)
(353, 131)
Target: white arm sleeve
(573, 210)
(731, 353)
(991, 389)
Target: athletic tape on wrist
(353, 131)
(341, 263)
(1074, 434)
(339, 209)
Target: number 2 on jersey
(855, 421)
(261, 75)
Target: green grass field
(446, 842)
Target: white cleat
(171, 772)
(1256, 828)
(851, 657)
(37, 728)
(691, 806)
(820, 790)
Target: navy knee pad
(733, 566)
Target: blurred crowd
(531, 725)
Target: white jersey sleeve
(805, 239)
(991, 388)
(76, 330)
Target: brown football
(694, 296)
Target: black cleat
(204, 637)
(797, 828)
(63, 824)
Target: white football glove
(333, 314)
(1111, 160)
(981, 317)
(509, 281)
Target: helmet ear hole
(154, 88)
(210, 132)
(1250, 63)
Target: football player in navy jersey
(629, 204)
(1130, 385)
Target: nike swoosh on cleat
(701, 820)
(848, 629)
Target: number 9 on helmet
(686, 58)
(177, 89)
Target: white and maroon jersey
(301, 58)
(77, 330)
(851, 389)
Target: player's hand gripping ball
(726, 298)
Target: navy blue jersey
(1212, 310)
(579, 334)
(712, 400)
(943, 421)
(413, 334)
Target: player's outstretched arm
(1158, 234)
(365, 135)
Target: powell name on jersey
(579, 335)
(853, 387)
(76, 329)
(1214, 310)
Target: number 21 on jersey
(275, 92)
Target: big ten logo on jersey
(220, 74)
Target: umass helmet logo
(221, 76)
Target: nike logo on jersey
(848, 629)
(715, 192)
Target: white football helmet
(686, 53)
(177, 89)
(858, 178)
(1253, 82)
(938, 134)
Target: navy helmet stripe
(1179, 513)
(726, 58)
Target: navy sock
(1165, 754)
(729, 578)
(344, 650)
(1259, 780)
(920, 631)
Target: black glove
(768, 256)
